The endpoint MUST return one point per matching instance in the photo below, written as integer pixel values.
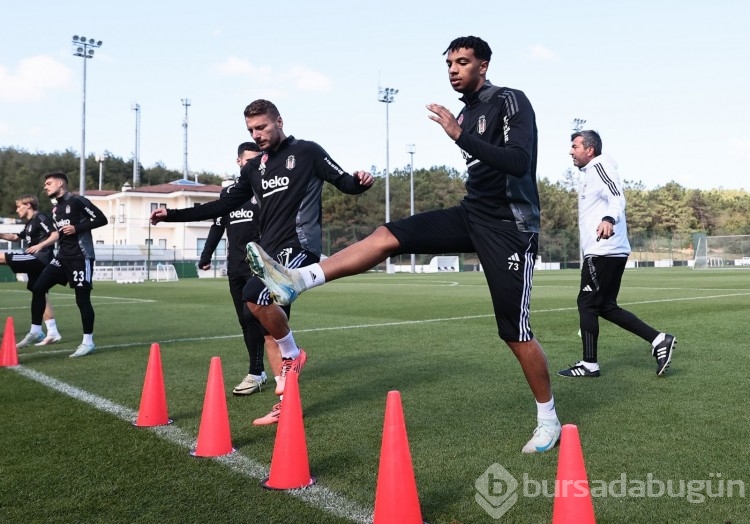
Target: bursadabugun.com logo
(498, 490)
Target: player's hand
(158, 215)
(69, 229)
(446, 119)
(33, 249)
(204, 265)
(365, 179)
(604, 231)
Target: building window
(149, 241)
(155, 206)
(221, 248)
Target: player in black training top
(241, 226)
(40, 237)
(74, 218)
(287, 180)
(498, 219)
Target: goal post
(166, 273)
(725, 252)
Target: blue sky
(665, 83)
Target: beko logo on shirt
(62, 223)
(277, 182)
(241, 213)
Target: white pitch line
(383, 324)
(318, 496)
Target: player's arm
(214, 237)
(214, 209)
(49, 241)
(354, 184)
(92, 216)
(514, 156)
(11, 237)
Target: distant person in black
(287, 180)
(40, 237)
(74, 218)
(499, 219)
(241, 226)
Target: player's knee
(385, 239)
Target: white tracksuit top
(600, 194)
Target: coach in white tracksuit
(605, 248)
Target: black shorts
(77, 273)
(506, 254)
(25, 263)
(257, 293)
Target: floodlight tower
(136, 153)
(186, 103)
(85, 49)
(387, 95)
(578, 124)
(411, 149)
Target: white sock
(591, 366)
(288, 346)
(658, 340)
(51, 327)
(546, 410)
(35, 329)
(88, 339)
(312, 275)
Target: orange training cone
(573, 504)
(290, 468)
(396, 498)
(214, 438)
(153, 411)
(8, 354)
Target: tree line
(670, 212)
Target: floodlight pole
(411, 149)
(136, 153)
(186, 103)
(101, 158)
(85, 49)
(387, 95)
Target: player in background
(40, 237)
(287, 180)
(498, 219)
(605, 248)
(74, 218)
(241, 226)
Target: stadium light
(387, 95)
(84, 48)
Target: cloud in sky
(541, 52)
(302, 78)
(33, 79)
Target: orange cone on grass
(8, 353)
(214, 437)
(573, 504)
(290, 467)
(153, 410)
(396, 498)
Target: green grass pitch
(69, 452)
